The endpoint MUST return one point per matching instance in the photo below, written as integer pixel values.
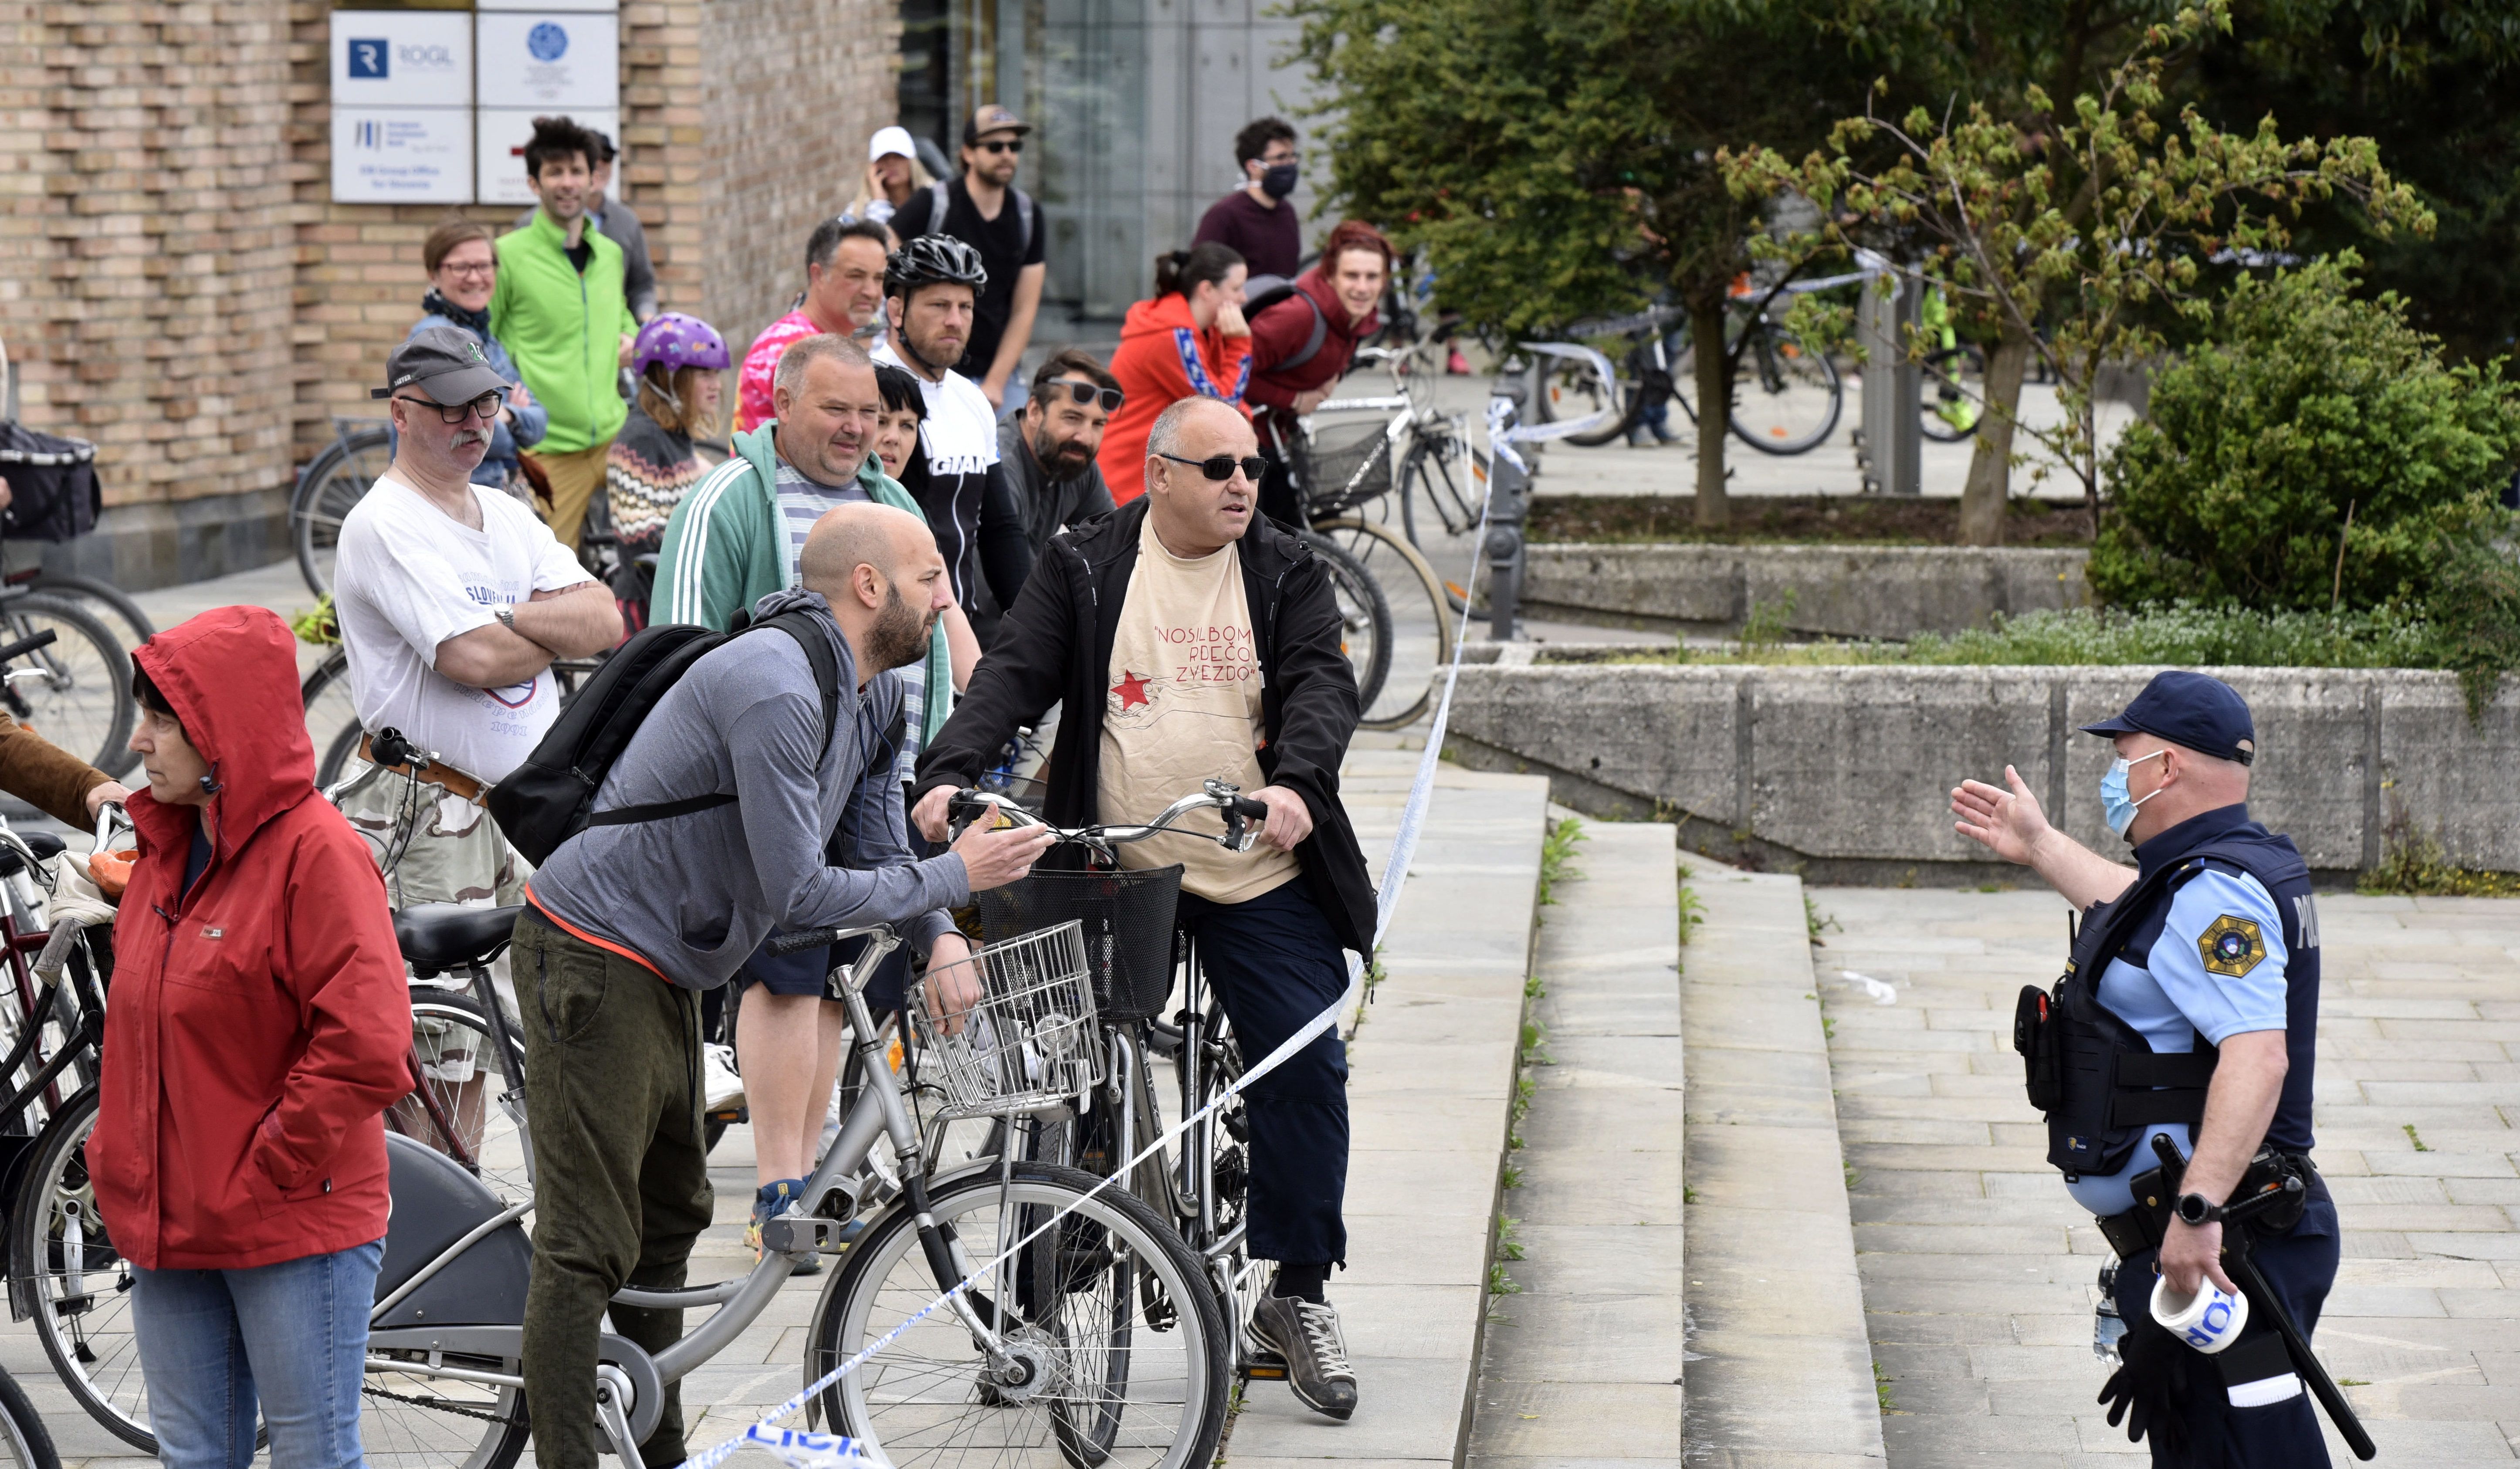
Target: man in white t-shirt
(452, 604)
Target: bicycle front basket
(1127, 918)
(1028, 1040)
(1342, 468)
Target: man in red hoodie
(1301, 347)
(259, 1027)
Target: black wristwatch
(2196, 1209)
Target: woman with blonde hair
(893, 174)
(652, 465)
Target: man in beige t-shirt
(1224, 658)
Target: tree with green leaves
(2079, 239)
(1558, 158)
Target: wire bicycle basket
(1126, 918)
(1342, 466)
(1029, 1043)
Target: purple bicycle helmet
(678, 341)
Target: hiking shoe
(769, 1201)
(1308, 1337)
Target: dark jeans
(1276, 964)
(2299, 1267)
(621, 1189)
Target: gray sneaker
(1308, 1337)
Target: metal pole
(1508, 504)
(1889, 451)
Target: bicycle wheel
(109, 604)
(1094, 1379)
(1365, 614)
(78, 1287)
(332, 717)
(77, 691)
(336, 481)
(466, 1100)
(1419, 607)
(28, 1443)
(1453, 482)
(1955, 395)
(1785, 397)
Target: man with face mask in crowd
(1255, 220)
(2188, 1012)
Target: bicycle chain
(438, 1404)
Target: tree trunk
(1990, 476)
(1714, 387)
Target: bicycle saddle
(44, 844)
(439, 936)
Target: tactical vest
(2099, 1082)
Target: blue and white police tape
(801, 1450)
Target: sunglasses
(485, 405)
(1083, 392)
(1222, 466)
(1001, 147)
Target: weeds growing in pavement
(1524, 1090)
(1814, 921)
(2415, 1137)
(1509, 1247)
(2412, 865)
(1881, 1389)
(1764, 629)
(1693, 910)
(1513, 1176)
(1556, 850)
(1500, 1283)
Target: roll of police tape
(2209, 1320)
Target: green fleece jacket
(726, 549)
(565, 330)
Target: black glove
(2149, 1392)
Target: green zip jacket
(565, 330)
(725, 549)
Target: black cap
(2205, 715)
(446, 363)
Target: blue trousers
(1276, 964)
(2299, 1267)
(288, 1339)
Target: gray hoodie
(694, 895)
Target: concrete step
(1584, 1362)
(1430, 1079)
(1782, 1366)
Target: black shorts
(809, 972)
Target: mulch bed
(1807, 519)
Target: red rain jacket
(259, 1023)
(1164, 358)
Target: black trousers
(1276, 964)
(2299, 1267)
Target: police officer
(2188, 1011)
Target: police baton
(2238, 1255)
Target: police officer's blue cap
(2204, 714)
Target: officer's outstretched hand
(2007, 823)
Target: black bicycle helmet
(932, 260)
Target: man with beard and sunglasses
(628, 925)
(1048, 454)
(1188, 638)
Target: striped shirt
(801, 502)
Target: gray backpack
(940, 198)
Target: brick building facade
(176, 284)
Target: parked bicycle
(65, 674)
(1786, 396)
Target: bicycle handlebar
(26, 644)
(1221, 796)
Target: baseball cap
(993, 118)
(890, 139)
(2204, 714)
(446, 363)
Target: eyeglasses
(1083, 393)
(1222, 466)
(1001, 146)
(485, 268)
(485, 405)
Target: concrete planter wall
(1887, 591)
(1846, 772)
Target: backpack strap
(799, 625)
(1312, 343)
(940, 198)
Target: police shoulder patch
(2232, 945)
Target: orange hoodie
(1163, 358)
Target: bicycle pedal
(1265, 1369)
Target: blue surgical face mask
(2115, 803)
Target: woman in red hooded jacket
(1190, 341)
(258, 1028)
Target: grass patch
(2412, 865)
(1556, 851)
(1792, 520)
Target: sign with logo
(553, 61)
(402, 155)
(402, 58)
(501, 135)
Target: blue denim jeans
(288, 1338)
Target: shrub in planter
(2317, 454)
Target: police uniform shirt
(2217, 969)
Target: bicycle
(331, 485)
(66, 675)
(1786, 397)
(23, 1439)
(109, 603)
(1127, 919)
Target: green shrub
(2315, 423)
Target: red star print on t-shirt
(1130, 689)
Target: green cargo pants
(621, 1189)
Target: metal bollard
(1509, 505)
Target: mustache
(471, 436)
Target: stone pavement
(1582, 1362)
(1978, 1271)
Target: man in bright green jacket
(560, 310)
